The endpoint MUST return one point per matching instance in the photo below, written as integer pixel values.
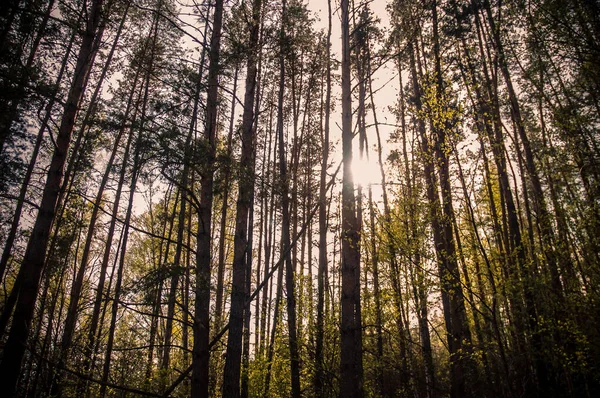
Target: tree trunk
(351, 329)
(75, 294)
(95, 319)
(157, 294)
(8, 245)
(224, 212)
(464, 370)
(135, 170)
(33, 262)
(285, 225)
(8, 117)
(201, 329)
(323, 222)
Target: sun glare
(365, 172)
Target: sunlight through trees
(289, 198)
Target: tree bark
(201, 329)
(351, 329)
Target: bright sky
(385, 84)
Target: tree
(351, 328)
(200, 352)
(33, 262)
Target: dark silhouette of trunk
(435, 215)
(285, 222)
(8, 117)
(105, 304)
(44, 371)
(157, 294)
(263, 206)
(231, 382)
(135, 170)
(177, 269)
(351, 328)
(270, 221)
(201, 328)
(76, 288)
(8, 245)
(249, 252)
(323, 222)
(74, 165)
(224, 212)
(100, 293)
(247, 312)
(184, 186)
(464, 376)
(417, 276)
(185, 324)
(33, 262)
(376, 293)
(271, 348)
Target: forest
(293, 198)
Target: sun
(365, 172)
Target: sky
(385, 86)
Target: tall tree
(351, 328)
(231, 380)
(33, 262)
(323, 246)
(201, 328)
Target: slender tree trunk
(44, 371)
(135, 171)
(99, 298)
(183, 187)
(224, 212)
(176, 269)
(75, 294)
(201, 329)
(117, 291)
(33, 262)
(262, 231)
(323, 223)
(351, 328)
(231, 382)
(457, 378)
(418, 280)
(285, 225)
(157, 294)
(464, 374)
(271, 348)
(10, 115)
(247, 312)
(8, 245)
(266, 309)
